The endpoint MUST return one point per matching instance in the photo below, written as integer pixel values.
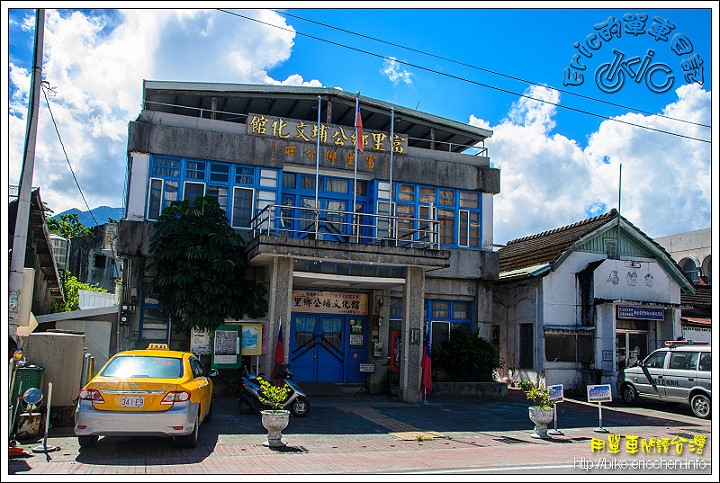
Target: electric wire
(463, 79)
(482, 69)
(57, 131)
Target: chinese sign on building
(329, 302)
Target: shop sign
(329, 302)
(644, 313)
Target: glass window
(470, 199)
(195, 170)
(193, 190)
(242, 207)
(656, 360)
(220, 172)
(244, 175)
(308, 182)
(440, 310)
(165, 166)
(334, 185)
(691, 271)
(446, 219)
(569, 348)
(288, 180)
(461, 310)
(406, 192)
(221, 193)
(154, 199)
(427, 195)
(705, 361)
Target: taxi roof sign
(158, 346)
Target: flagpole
(357, 141)
(317, 170)
(392, 138)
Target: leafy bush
(526, 385)
(540, 397)
(465, 357)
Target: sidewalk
(371, 434)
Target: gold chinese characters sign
(329, 302)
(331, 135)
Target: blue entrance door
(316, 353)
(327, 348)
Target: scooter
(249, 399)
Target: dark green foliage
(465, 357)
(68, 226)
(71, 285)
(199, 267)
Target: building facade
(576, 304)
(362, 246)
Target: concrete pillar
(413, 318)
(279, 307)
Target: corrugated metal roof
(232, 103)
(548, 246)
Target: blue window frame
(458, 212)
(446, 316)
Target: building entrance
(327, 348)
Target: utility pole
(22, 220)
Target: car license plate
(132, 402)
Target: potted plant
(277, 418)
(542, 411)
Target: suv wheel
(629, 395)
(700, 405)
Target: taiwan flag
(279, 348)
(279, 353)
(426, 365)
(359, 126)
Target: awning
(697, 321)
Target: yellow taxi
(150, 392)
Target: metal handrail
(345, 226)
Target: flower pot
(275, 420)
(541, 418)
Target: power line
(57, 131)
(489, 71)
(463, 79)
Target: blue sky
(559, 147)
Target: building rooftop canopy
(233, 103)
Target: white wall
(635, 280)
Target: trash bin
(30, 376)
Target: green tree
(200, 266)
(465, 357)
(71, 286)
(68, 226)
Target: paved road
(361, 434)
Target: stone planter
(275, 420)
(541, 418)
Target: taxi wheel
(87, 441)
(700, 405)
(190, 440)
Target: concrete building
(576, 304)
(692, 250)
(359, 258)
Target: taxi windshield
(144, 366)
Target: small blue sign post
(556, 394)
(599, 393)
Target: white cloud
(96, 66)
(393, 71)
(548, 181)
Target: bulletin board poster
(251, 339)
(226, 347)
(200, 343)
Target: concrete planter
(275, 420)
(541, 418)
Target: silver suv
(679, 372)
